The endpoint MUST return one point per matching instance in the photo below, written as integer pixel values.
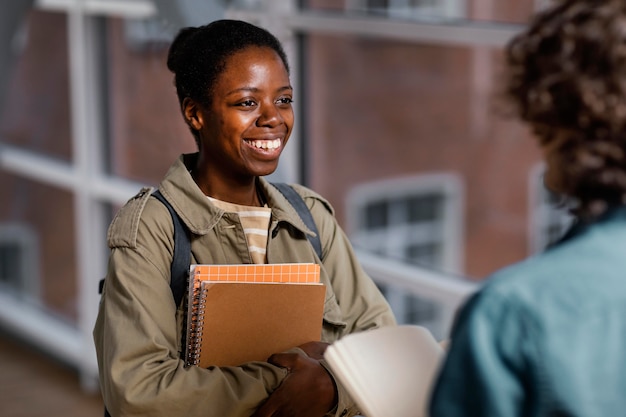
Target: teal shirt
(546, 336)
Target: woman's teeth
(266, 144)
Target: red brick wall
(382, 109)
(147, 129)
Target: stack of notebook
(247, 312)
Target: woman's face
(250, 118)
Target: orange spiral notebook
(247, 312)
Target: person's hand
(308, 390)
(315, 350)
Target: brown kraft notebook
(243, 313)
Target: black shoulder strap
(298, 203)
(181, 258)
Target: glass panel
(35, 111)
(376, 215)
(424, 208)
(37, 221)
(12, 256)
(428, 254)
(378, 110)
(146, 126)
(409, 309)
(421, 310)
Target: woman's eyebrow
(256, 90)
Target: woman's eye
(247, 103)
(285, 100)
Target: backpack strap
(181, 258)
(298, 203)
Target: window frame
(449, 186)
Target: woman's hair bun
(176, 57)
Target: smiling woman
(243, 129)
(232, 81)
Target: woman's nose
(270, 116)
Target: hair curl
(567, 80)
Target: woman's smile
(266, 148)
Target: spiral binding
(197, 300)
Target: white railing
(447, 291)
(40, 328)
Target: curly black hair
(567, 80)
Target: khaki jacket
(139, 330)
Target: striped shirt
(255, 222)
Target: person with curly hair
(547, 336)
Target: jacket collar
(200, 215)
(579, 227)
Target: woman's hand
(315, 350)
(307, 391)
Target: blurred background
(400, 123)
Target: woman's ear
(192, 114)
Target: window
(18, 260)
(549, 216)
(416, 220)
(410, 9)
